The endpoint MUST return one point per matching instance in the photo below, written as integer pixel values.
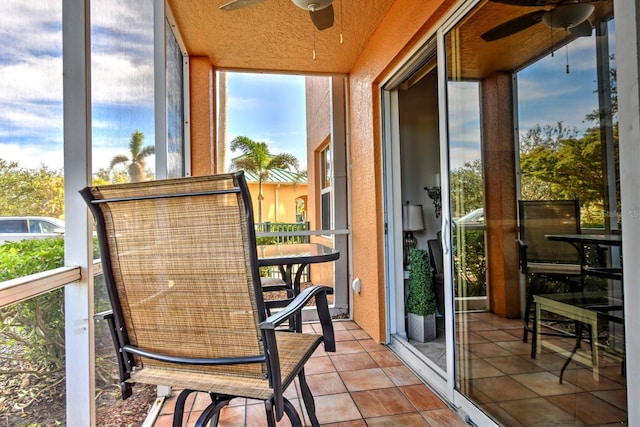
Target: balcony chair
(180, 266)
(546, 265)
(437, 266)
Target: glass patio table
(580, 240)
(586, 308)
(291, 260)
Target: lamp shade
(412, 218)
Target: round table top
(299, 253)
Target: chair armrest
(296, 306)
(103, 315)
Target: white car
(15, 228)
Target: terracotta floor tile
(354, 423)
(401, 375)
(404, 420)
(343, 336)
(231, 416)
(481, 325)
(537, 412)
(421, 397)
(381, 402)
(385, 358)
(164, 420)
(359, 334)
(443, 418)
(319, 365)
(350, 362)
(583, 378)
(467, 337)
(348, 347)
(497, 335)
(513, 364)
(322, 384)
(516, 347)
(589, 409)
(336, 408)
(618, 398)
(372, 346)
(500, 389)
(545, 384)
(365, 379)
(488, 349)
(479, 368)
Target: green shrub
(422, 298)
(34, 328)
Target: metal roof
(277, 176)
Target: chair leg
(212, 412)
(289, 409)
(178, 412)
(307, 397)
(527, 309)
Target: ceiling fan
(571, 15)
(321, 11)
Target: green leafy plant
(422, 298)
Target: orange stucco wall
(405, 24)
(283, 195)
(318, 105)
(202, 107)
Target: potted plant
(421, 301)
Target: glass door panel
(531, 114)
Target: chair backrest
(180, 264)
(541, 217)
(435, 255)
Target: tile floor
(365, 384)
(498, 373)
(362, 384)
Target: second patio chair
(181, 269)
(545, 263)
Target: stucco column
(203, 108)
(499, 160)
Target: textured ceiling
(479, 58)
(276, 35)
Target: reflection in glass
(554, 92)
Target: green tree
(136, 163)
(466, 188)
(556, 164)
(24, 191)
(257, 159)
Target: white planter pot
(421, 328)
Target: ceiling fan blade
(322, 18)
(583, 29)
(237, 4)
(527, 2)
(514, 26)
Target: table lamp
(411, 221)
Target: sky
(263, 107)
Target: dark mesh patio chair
(548, 266)
(437, 265)
(180, 264)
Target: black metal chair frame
(561, 266)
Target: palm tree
(137, 161)
(257, 159)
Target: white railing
(22, 288)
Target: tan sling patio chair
(180, 265)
